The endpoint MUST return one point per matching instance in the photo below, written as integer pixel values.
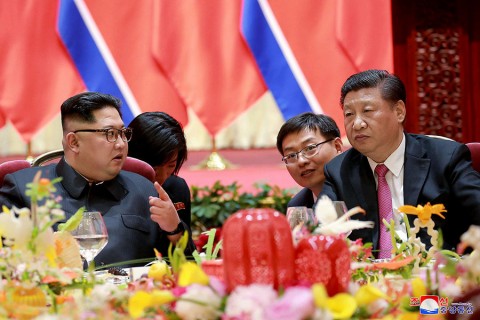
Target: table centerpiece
(266, 272)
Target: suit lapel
(415, 171)
(363, 184)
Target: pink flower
(295, 304)
(249, 302)
(178, 291)
(218, 286)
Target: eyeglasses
(307, 152)
(112, 134)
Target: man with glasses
(139, 216)
(306, 142)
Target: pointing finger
(162, 194)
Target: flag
(305, 55)
(113, 54)
(129, 35)
(216, 57)
(36, 75)
(364, 32)
(199, 46)
(275, 58)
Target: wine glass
(91, 235)
(341, 209)
(297, 215)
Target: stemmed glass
(91, 235)
(341, 209)
(297, 215)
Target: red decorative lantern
(258, 248)
(213, 268)
(323, 259)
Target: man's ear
(338, 145)
(400, 110)
(72, 142)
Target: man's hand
(162, 210)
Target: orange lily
(395, 263)
(424, 213)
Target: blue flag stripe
(87, 57)
(271, 61)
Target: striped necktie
(385, 211)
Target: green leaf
(211, 206)
(217, 249)
(197, 257)
(73, 222)
(177, 256)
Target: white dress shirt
(394, 177)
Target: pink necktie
(385, 211)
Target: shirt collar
(75, 184)
(395, 161)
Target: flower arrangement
(41, 277)
(212, 205)
(35, 260)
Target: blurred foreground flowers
(328, 276)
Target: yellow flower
(409, 316)
(160, 297)
(158, 269)
(142, 300)
(138, 302)
(320, 295)
(406, 316)
(424, 213)
(368, 294)
(190, 272)
(341, 306)
(418, 287)
(51, 255)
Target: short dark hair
(311, 121)
(156, 138)
(81, 106)
(391, 87)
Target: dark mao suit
(123, 202)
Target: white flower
(471, 237)
(325, 210)
(377, 306)
(50, 317)
(249, 302)
(450, 290)
(102, 293)
(199, 302)
(17, 231)
(322, 314)
(330, 225)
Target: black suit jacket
(304, 198)
(123, 202)
(435, 171)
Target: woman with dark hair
(158, 139)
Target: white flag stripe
(108, 57)
(289, 56)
